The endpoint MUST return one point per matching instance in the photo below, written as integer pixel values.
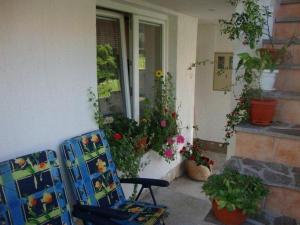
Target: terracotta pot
(236, 217)
(276, 54)
(262, 111)
(141, 144)
(199, 173)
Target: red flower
(183, 150)
(118, 136)
(192, 158)
(174, 115)
(205, 159)
(163, 123)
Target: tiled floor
(187, 204)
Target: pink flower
(168, 153)
(180, 139)
(170, 141)
(163, 123)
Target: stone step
(286, 95)
(284, 2)
(287, 20)
(292, 56)
(286, 30)
(264, 218)
(288, 109)
(288, 10)
(281, 41)
(288, 80)
(289, 66)
(278, 143)
(283, 182)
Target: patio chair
(31, 191)
(98, 188)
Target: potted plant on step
(197, 166)
(255, 82)
(234, 196)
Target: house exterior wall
(48, 61)
(211, 106)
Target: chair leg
(152, 195)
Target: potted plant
(262, 110)
(234, 196)
(197, 166)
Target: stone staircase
(273, 153)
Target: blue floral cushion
(95, 179)
(31, 191)
(92, 170)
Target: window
(125, 87)
(112, 68)
(150, 49)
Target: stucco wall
(47, 55)
(211, 106)
(48, 61)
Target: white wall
(47, 55)
(48, 61)
(211, 106)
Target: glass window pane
(109, 66)
(150, 60)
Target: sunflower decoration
(159, 74)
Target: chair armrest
(95, 220)
(103, 212)
(146, 182)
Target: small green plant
(232, 190)
(247, 25)
(194, 152)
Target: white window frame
(136, 81)
(103, 13)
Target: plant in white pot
(197, 166)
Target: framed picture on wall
(223, 71)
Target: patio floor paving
(187, 204)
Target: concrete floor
(187, 204)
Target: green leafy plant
(158, 129)
(232, 190)
(248, 24)
(106, 63)
(194, 152)
(251, 67)
(162, 119)
(123, 135)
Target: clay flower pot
(275, 54)
(199, 173)
(236, 217)
(262, 111)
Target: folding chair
(31, 191)
(98, 188)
